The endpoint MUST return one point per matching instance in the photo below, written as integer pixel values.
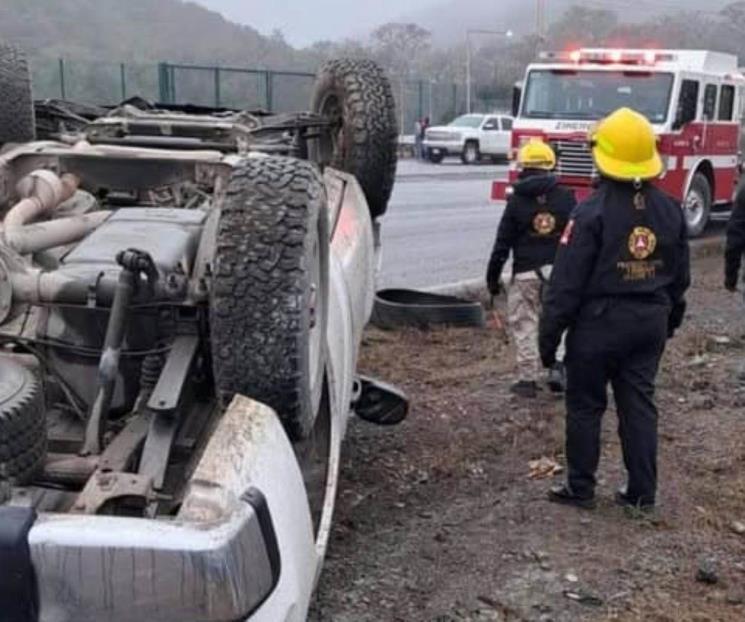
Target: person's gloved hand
(494, 280)
(495, 287)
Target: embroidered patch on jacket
(544, 223)
(642, 242)
(566, 237)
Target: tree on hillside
(401, 47)
(349, 48)
(734, 15)
(583, 25)
(729, 32)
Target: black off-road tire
(16, 103)
(398, 308)
(272, 244)
(359, 96)
(23, 431)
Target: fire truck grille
(573, 159)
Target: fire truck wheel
(697, 205)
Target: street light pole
(468, 71)
(477, 31)
(431, 89)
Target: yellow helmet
(625, 148)
(536, 154)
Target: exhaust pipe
(41, 192)
(42, 236)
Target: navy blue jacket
(532, 223)
(619, 244)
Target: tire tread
(16, 102)
(258, 313)
(370, 149)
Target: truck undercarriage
(182, 295)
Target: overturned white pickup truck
(182, 299)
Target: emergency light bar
(601, 57)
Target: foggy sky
(306, 21)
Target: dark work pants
(618, 342)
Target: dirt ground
(438, 519)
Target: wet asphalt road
(440, 223)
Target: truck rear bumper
(92, 568)
(501, 190)
(243, 533)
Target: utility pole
(403, 105)
(468, 71)
(540, 20)
(431, 98)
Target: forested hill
(448, 20)
(138, 31)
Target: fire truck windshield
(586, 94)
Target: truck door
(687, 111)
(711, 94)
(490, 132)
(740, 116)
(724, 137)
(505, 136)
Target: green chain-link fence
(237, 87)
(233, 87)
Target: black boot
(638, 503)
(557, 378)
(525, 388)
(564, 496)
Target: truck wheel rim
(695, 207)
(316, 304)
(331, 143)
(470, 153)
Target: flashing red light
(575, 56)
(616, 56)
(650, 57)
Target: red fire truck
(694, 99)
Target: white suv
(471, 136)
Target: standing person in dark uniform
(618, 286)
(535, 215)
(735, 242)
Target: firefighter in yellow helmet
(530, 228)
(618, 287)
